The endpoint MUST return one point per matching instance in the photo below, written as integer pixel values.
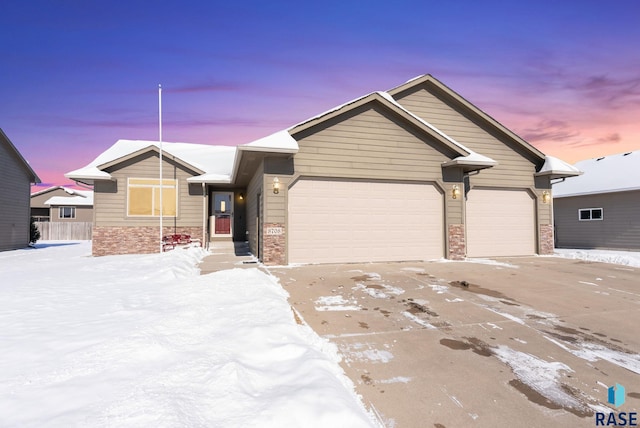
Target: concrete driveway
(530, 342)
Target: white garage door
(355, 221)
(500, 223)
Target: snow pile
(142, 340)
(625, 258)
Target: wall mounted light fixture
(276, 185)
(241, 196)
(455, 191)
(546, 197)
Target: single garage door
(355, 221)
(500, 223)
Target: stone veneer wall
(546, 239)
(273, 246)
(457, 246)
(110, 240)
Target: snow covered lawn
(626, 258)
(144, 340)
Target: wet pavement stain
(439, 426)
(363, 324)
(634, 395)
(375, 286)
(506, 302)
(417, 308)
(474, 288)
(365, 277)
(476, 345)
(366, 379)
(539, 399)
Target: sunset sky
(76, 76)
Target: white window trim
(590, 210)
(73, 212)
(152, 199)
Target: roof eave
(469, 165)
(558, 174)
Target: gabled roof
(466, 158)
(33, 177)
(205, 160)
(607, 174)
(86, 199)
(69, 190)
(427, 78)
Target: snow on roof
(615, 173)
(209, 159)
(71, 200)
(281, 140)
(554, 165)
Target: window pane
(585, 215)
(168, 202)
(596, 214)
(140, 200)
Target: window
(588, 214)
(66, 212)
(144, 197)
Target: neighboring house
(62, 204)
(415, 173)
(16, 177)
(600, 209)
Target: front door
(223, 213)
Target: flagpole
(160, 138)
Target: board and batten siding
(110, 198)
(619, 229)
(514, 169)
(14, 201)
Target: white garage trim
(500, 223)
(341, 221)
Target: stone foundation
(273, 244)
(457, 246)
(111, 240)
(546, 239)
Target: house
(414, 173)
(16, 177)
(600, 208)
(62, 204)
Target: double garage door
(331, 221)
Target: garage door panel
(353, 221)
(500, 223)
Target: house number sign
(274, 231)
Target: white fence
(75, 231)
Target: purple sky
(76, 76)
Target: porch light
(455, 191)
(241, 197)
(223, 206)
(276, 185)
(546, 197)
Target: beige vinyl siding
(14, 201)
(513, 169)
(39, 200)
(83, 214)
(619, 229)
(368, 143)
(110, 199)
